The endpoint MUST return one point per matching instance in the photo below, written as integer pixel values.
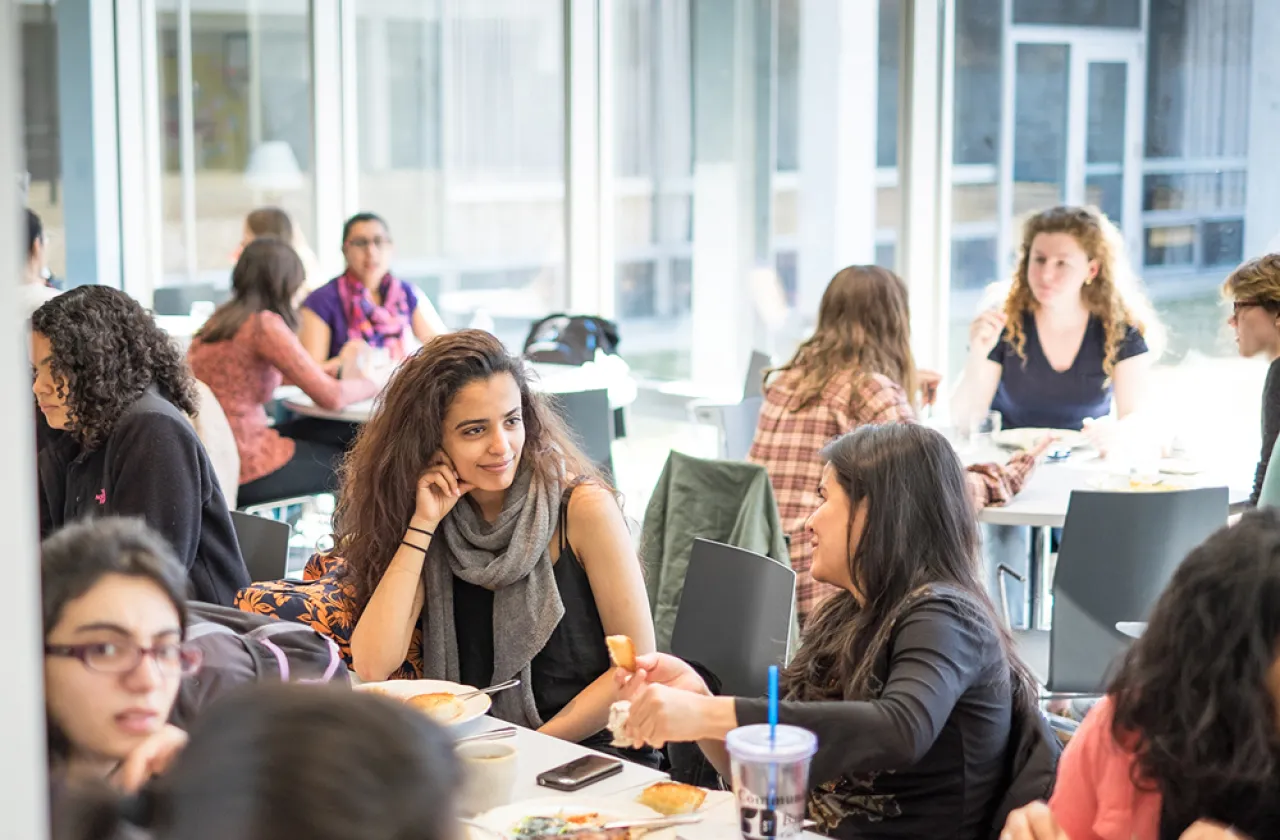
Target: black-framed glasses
(1238, 305)
(172, 658)
(361, 243)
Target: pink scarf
(377, 326)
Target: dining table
(537, 753)
(544, 377)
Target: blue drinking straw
(773, 734)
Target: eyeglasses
(362, 243)
(172, 658)
(1238, 305)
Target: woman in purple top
(367, 303)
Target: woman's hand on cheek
(439, 489)
(150, 758)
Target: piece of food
(579, 826)
(442, 706)
(622, 651)
(673, 798)
(619, 712)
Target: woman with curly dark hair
(468, 514)
(1187, 743)
(115, 389)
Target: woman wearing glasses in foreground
(906, 676)
(114, 618)
(367, 304)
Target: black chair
(754, 386)
(264, 544)
(739, 427)
(177, 300)
(588, 416)
(735, 615)
(1117, 554)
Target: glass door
(1075, 133)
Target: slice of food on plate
(672, 799)
(441, 706)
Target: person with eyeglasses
(1254, 292)
(367, 303)
(114, 606)
(37, 286)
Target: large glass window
(461, 116)
(42, 131)
(235, 92)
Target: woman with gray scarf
(467, 512)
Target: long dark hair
(290, 760)
(266, 279)
(380, 474)
(35, 231)
(361, 218)
(920, 539)
(864, 325)
(107, 351)
(76, 558)
(1191, 696)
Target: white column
(837, 198)
(588, 288)
(87, 106)
(924, 141)
(140, 160)
(327, 113)
(1262, 211)
(24, 773)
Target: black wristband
(422, 531)
(411, 545)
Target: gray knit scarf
(512, 558)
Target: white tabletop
(538, 753)
(1043, 501)
(547, 378)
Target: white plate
(507, 817)
(1027, 438)
(1135, 484)
(473, 708)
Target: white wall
(23, 774)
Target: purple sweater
(327, 303)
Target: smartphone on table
(580, 772)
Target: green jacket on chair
(730, 502)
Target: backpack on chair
(570, 339)
(241, 647)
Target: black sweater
(1270, 426)
(926, 758)
(152, 466)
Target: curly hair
(107, 351)
(379, 476)
(1191, 696)
(1114, 295)
(1257, 281)
(864, 325)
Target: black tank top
(573, 658)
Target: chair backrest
(1118, 552)
(219, 442)
(735, 615)
(754, 386)
(1269, 496)
(739, 427)
(264, 544)
(177, 300)
(588, 416)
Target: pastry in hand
(622, 651)
(672, 798)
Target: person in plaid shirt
(856, 370)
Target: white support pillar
(589, 290)
(925, 140)
(1262, 211)
(87, 105)
(328, 165)
(140, 161)
(839, 42)
(24, 769)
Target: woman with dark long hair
(114, 623)
(1187, 742)
(906, 676)
(115, 390)
(289, 760)
(246, 350)
(468, 514)
(856, 369)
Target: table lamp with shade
(273, 169)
